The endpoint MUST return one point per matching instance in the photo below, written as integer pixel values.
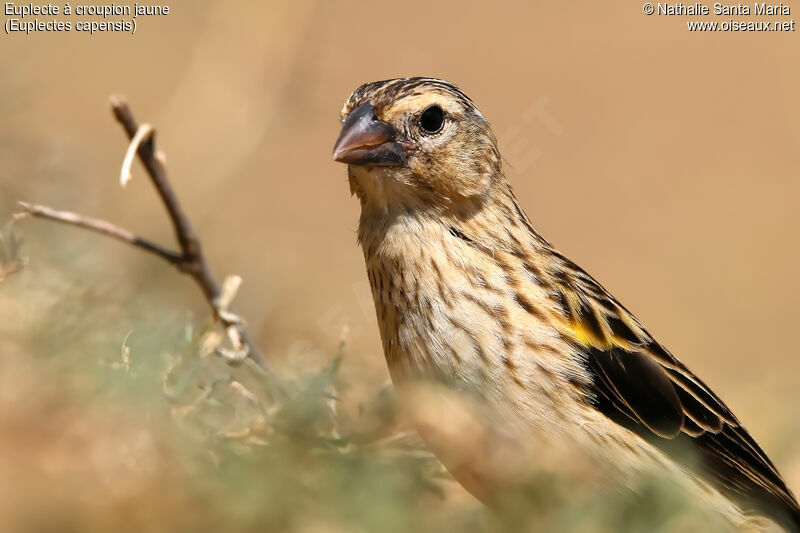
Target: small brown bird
(469, 295)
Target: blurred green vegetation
(155, 432)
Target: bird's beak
(367, 140)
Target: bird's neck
(494, 228)
(394, 212)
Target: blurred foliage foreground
(163, 435)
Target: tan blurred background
(662, 161)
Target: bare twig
(103, 227)
(184, 232)
(190, 258)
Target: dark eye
(432, 119)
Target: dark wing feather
(640, 385)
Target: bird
(470, 296)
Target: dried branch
(103, 227)
(190, 259)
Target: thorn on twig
(230, 287)
(228, 317)
(145, 132)
(240, 350)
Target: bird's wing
(640, 385)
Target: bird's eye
(432, 119)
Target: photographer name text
(720, 9)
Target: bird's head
(417, 140)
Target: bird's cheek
(473, 176)
(455, 177)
